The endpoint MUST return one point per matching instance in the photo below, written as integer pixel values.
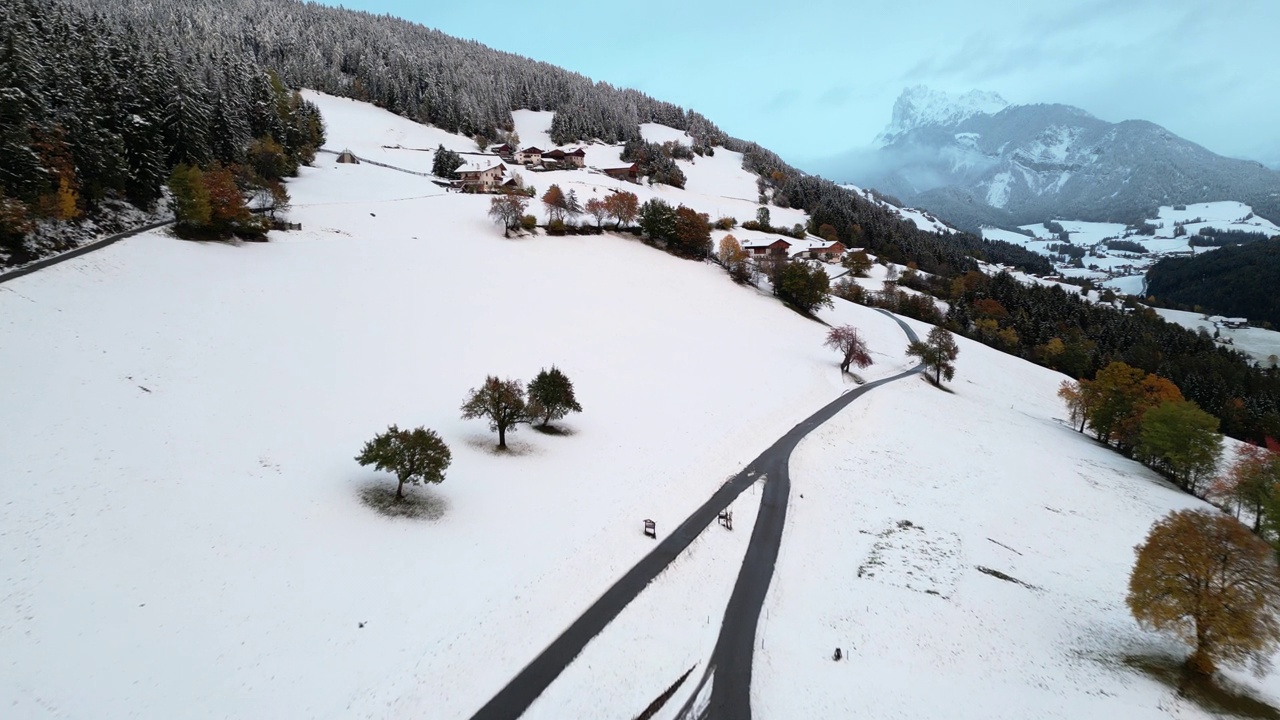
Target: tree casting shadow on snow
(489, 444)
(1216, 695)
(419, 503)
(558, 430)
(929, 381)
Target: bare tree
(852, 348)
(507, 209)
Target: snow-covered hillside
(181, 521)
(922, 219)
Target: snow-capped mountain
(920, 107)
(975, 160)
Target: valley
(412, 362)
(210, 546)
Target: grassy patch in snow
(909, 557)
(419, 503)
(489, 444)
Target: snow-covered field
(1258, 343)
(181, 525)
(907, 497)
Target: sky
(813, 78)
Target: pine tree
(186, 123)
(658, 219)
(445, 164)
(937, 353)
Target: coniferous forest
(1238, 280)
(93, 112)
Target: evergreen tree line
(1236, 281)
(1213, 237)
(91, 111)
(413, 71)
(656, 161)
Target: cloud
(835, 96)
(782, 101)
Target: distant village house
(776, 247)
(626, 172)
(529, 156)
(820, 250)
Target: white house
(816, 249)
(529, 156)
(482, 176)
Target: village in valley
(493, 172)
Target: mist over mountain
(973, 159)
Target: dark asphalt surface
(82, 250)
(734, 654)
(732, 658)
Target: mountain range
(976, 160)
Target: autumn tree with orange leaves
(1203, 577)
(623, 207)
(556, 203)
(1118, 398)
(1073, 394)
(598, 209)
(734, 259)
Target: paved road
(734, 653)
(731, 659)
(83, 249)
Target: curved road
(734, 654)
(734, 651)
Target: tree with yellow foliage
(1118, 398)
(734, 259)
(1203, 577)
(66, 201)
